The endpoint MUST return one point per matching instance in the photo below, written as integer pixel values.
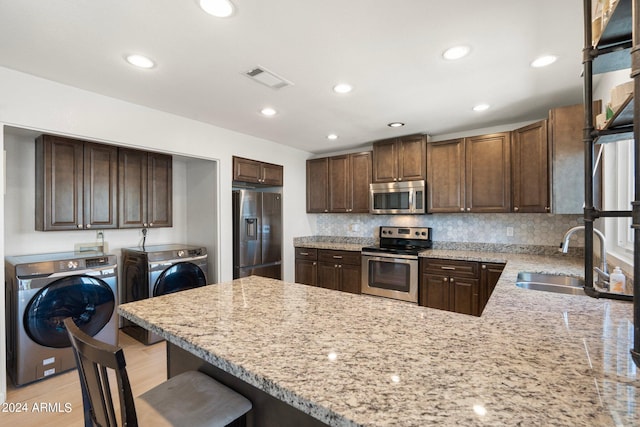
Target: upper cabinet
(400, 159)
(256, 172)
(530, 168)
(470, 174)
(76, 184)
(145, 189)
(339, 184)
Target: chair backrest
(94, 360)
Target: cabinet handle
(484, 266)
(547, 209)
(335, 265)
(461, 209)
(337, 257)
(516, 209)
(304, 253)
(88, 226)
(339, 265)
(451, 279)
(399, 179)
(326, 210)
(468, 209)
(314, 263)
(80, 226)
(150, 224)
(145, 224)
(445, 267)
(445, 280)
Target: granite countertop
(533, 358)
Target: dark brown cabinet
(400, 159)
(256, 172)
(145, 189)
(76, 184)
(330, 269)
(489, 276)
(470, 174)
(530, 168)
(306, 266)
(450, 285)
(339, 184)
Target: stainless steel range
(391, 269)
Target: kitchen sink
(558, 283)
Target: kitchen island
(532, 358)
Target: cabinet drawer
(339, 257)
(307, 253)
(451, 267)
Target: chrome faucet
(603, 273)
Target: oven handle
(391, 258)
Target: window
(618, 195)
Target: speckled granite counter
(532, 359)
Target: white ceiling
(389, 50)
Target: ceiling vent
(267, 78)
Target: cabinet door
(385, 161)
(489, 276)
(317, 185)
(339, 185)
(328, 275)
(159, 190)
(59, 183)
(350, 278)
(445, 171)
(412, 158)
(488, 173)
(434, 291)
(464, 295)
(132, 186)
(272, 174)
(306, 272)
(100, 186)
(530, 168)
(246, 170)
(360, 180)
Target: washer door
(89, 301)
(179, 277)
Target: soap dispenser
(617, 281)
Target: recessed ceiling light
(456, 52)
(342, 88)
(481, 107)
(140, 61)
(268, 111)
(332, 136)
(217, 8)
(395, 124)
(543, 61)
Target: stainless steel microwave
(404, 197)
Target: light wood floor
(146, 367)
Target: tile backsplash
(508, 228)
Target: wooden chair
(189, 399)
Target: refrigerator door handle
(251, 225)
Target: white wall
(33, 103)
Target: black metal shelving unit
(616, 49)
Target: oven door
(390, 276)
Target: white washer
(43, 290)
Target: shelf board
(623, 115)
(618, 30)
(619, 26)
(613, 135)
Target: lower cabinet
(458, 286)
(330, 269)
(306, 266)
(489, 276)
(450, 285)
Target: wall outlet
(509, 231)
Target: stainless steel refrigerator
(257, 234)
